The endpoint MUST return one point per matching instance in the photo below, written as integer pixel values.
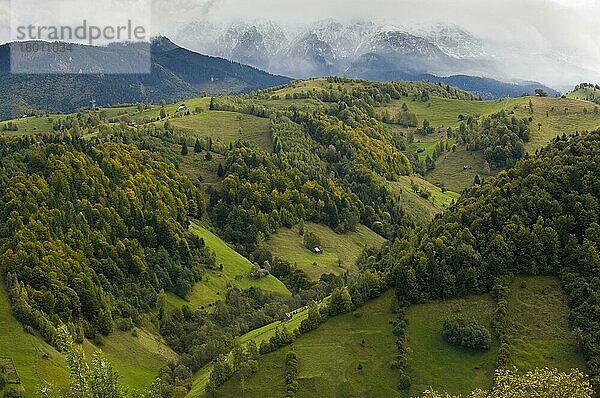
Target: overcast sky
(567, 27)
(559, 24)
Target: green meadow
(340, 251)
(431, 361)
(539, 331)
(235, 273)
(332, 361)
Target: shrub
(29, 329)
(340, 302)
(311, 241)
(466, 334)
(12, 393)
(291, 373)
(125, 324)
(404, 383)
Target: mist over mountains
(363, 49)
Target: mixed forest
(261, 242)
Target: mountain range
(360, 49)
(176, 73)
(239, 54)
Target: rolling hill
(176, 73)
(197, 248)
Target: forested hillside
(94, 233)
(175, 74)
(539, 218)
(215, 236)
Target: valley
(191, 230)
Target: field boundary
(10, 370)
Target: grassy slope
(329, 356)
(564, 116)
(197, 168)
(345, 248)
(540, 334)
(449, 169)
(171, 109)
(583, 93)
(26, 351)
(433, 362)
(235, 272)
(227, 127)
(420, 209)
(258, 335)
(551, 117)
(32, 125)
(137, 359)
(443, 112)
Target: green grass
(427, 147)
(431, 361)
(137, 358)
(227, 127)
(269, 381)
(584, 93)
(258, 335)
(318, 85)
(550, 117)
(420, 209)
(444, 112)
(449, 169)
(539, 333)
(340, 251)
(32, 125)
(328, 359)
(27, 351)
(555, 116)
(200, 170)
(171, 109)
(236, 270)
(116, 111)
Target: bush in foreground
(466, 334)
(539, 383)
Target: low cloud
(565, 29)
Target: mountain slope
(538, 218)
(362, 49)
(176, 73)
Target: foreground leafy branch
(539, 383)
(96, 379)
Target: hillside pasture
(450, 169)
(226, 127)
(421, 209)
(555, 116)
(259, 335)
(137, 355)
(329, 359)
(235, 273)
(34, 359)
(431, 361)
(340, 251)
(444, 112)
(32, 125)
(200, 170)
(153, 112)
(584, 93)
(540, 335)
